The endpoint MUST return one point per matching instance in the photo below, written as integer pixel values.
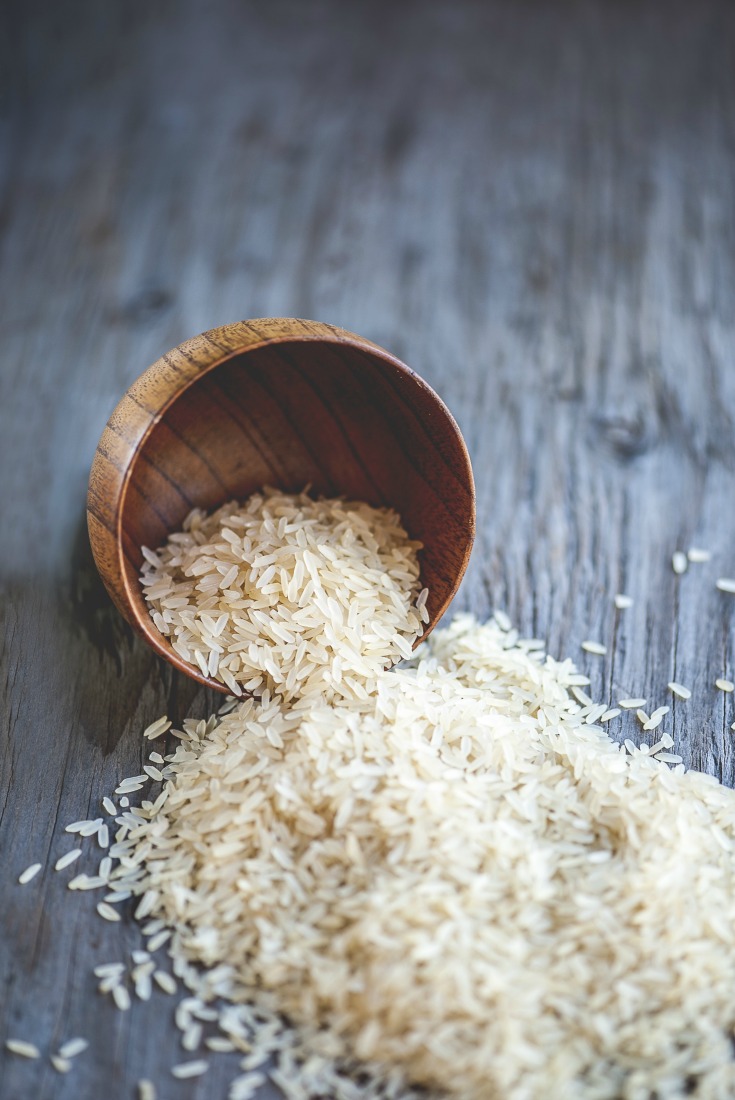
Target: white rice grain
(656, 718)
(679, 562)
(22, 1048)
(246, 1086)
(29, 873)
(72, 1047)
(104, 970)
(121, 997)
(189, 1069)
(157, 728)
(158, 939)
(106, 911)
(164, 981)
(219, 1044)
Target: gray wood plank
(531, 203)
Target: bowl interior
(340, 418)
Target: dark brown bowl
(282, 402)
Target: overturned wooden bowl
(282, 402)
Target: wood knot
(625, 435)
(147, 305)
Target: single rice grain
(22, 1048)
(67, 859)
(679, 562)
(189, 1069)
(72, 1047)
(29, 873)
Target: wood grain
(530, 203)
(283, 402)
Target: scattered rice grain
(190, 1069)
(22, 1048)
(165, 981)
(29, 873)
(121, 997)
(72, 1047)
(679, 562)
(67, 859)
(106, 911)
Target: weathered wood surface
(532, 204)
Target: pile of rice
(289, 594)
(447, 872)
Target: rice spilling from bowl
(289, 594)
(453, 877)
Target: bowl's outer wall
(285, 402)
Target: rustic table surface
(532, 204)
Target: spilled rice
(460, 878)
(443, 876)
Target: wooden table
(532, 204)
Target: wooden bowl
(281, 402)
